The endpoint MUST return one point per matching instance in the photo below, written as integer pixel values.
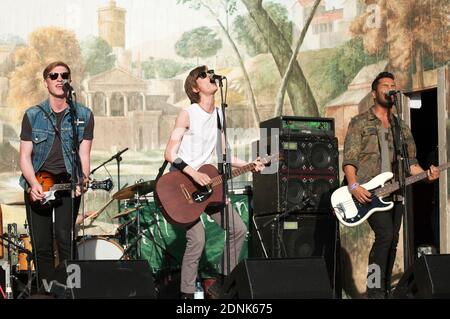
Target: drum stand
(31, 276)
(140, 233)
(137, 241)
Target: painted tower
(111, 24)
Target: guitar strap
(219, 152)
(219, 123)
(160, 173)
(51, 122)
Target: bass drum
(99, 248)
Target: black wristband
(179, 164)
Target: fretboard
(61, 187)
(392, 187)
(234, 173)
(242, 170)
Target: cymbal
(125, 213)
(137, 189)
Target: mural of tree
(163, 68)
(45, 45)
(148, 68)
(286, 77)
(229, 7)
(198, 43)
(336, 72)
(409, 29)
(11, 39)
(299, 91)
(248, 34)
(97, 55)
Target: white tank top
(198, 146)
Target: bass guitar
(350, 212)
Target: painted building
(355, 100)
(329, 28)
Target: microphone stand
(225, 170)
(118, 159)
(403, 166)
(76, 173)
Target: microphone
(391, 93)
(213, 77)
(217, 77)
(67, 87)
(119, 153)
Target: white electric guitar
(350, 212)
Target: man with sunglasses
(46, 147)
(193, 143)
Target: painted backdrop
(129, 59)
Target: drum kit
(19, 261)
(19, 248)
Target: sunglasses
(204, 74)
(54, 75)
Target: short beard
(387, 104)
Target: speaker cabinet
(427, 278)
(278, 279)
(104, 279)
(307, 175)
(298, 235)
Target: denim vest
(43, 134)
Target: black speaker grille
(320, 155)
(297, 235)
(107, 279)
(307, 175)
(289, 278)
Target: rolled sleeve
(352, 145)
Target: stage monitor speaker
(298, 235)
(288, 278)
(103, 279)
(427, 278)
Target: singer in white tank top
(192, 144)
(198, 146)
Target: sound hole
(320, 155)
(295, 192)
(295, 159)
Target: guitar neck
(234, 173)
(61, 187)
(392, 187)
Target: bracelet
(179, 164)
(353, 186)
